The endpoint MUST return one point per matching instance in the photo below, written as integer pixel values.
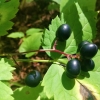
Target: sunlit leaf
(58, 85)
(49, 39)
(7, 12)
(16, 35)
(5, 70)
(30, 43)
(32, 31)
(27, 93)
(83, 26)
(5, 92)
(96, 59)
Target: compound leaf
(5, 92)
(83, 27)
(5, 70)
(8, 10)
(56, 84)
(27, 93)
(49, 38)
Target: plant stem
(40, 50)
(30, 60)
(51, 50)
(58, 61)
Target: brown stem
(40, 50)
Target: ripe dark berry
(88, 51)
(87, 65)
(33, 78)
(73, 68)
(81, 44)
(63, 32)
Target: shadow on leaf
(67, 82)
(59, 46)
(84, 75)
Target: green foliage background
(81, 16)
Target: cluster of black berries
(85, 63)
(86, 49)
(87, 52)
(34, 77)
(74, 66)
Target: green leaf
(49, 38)
(7, 12)
(90, 5)
(83, 3)
(83, 27)
(27, 93)
(58, 85)
(29, 54)
(30, 43)
(5, 92)
(5, 70)
(90, 82)
(43, 96)
(57, 1)
(96, 60)
(53, 6)
(16, 35)
(32, 31)
(9, 61)
(83, 23)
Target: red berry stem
(54, 50)
(40, 50)
(51, 50)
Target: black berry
(88, 51)
(63, 32)
(87, 65)
(81, 44)
(73, 68)
(33, 78)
